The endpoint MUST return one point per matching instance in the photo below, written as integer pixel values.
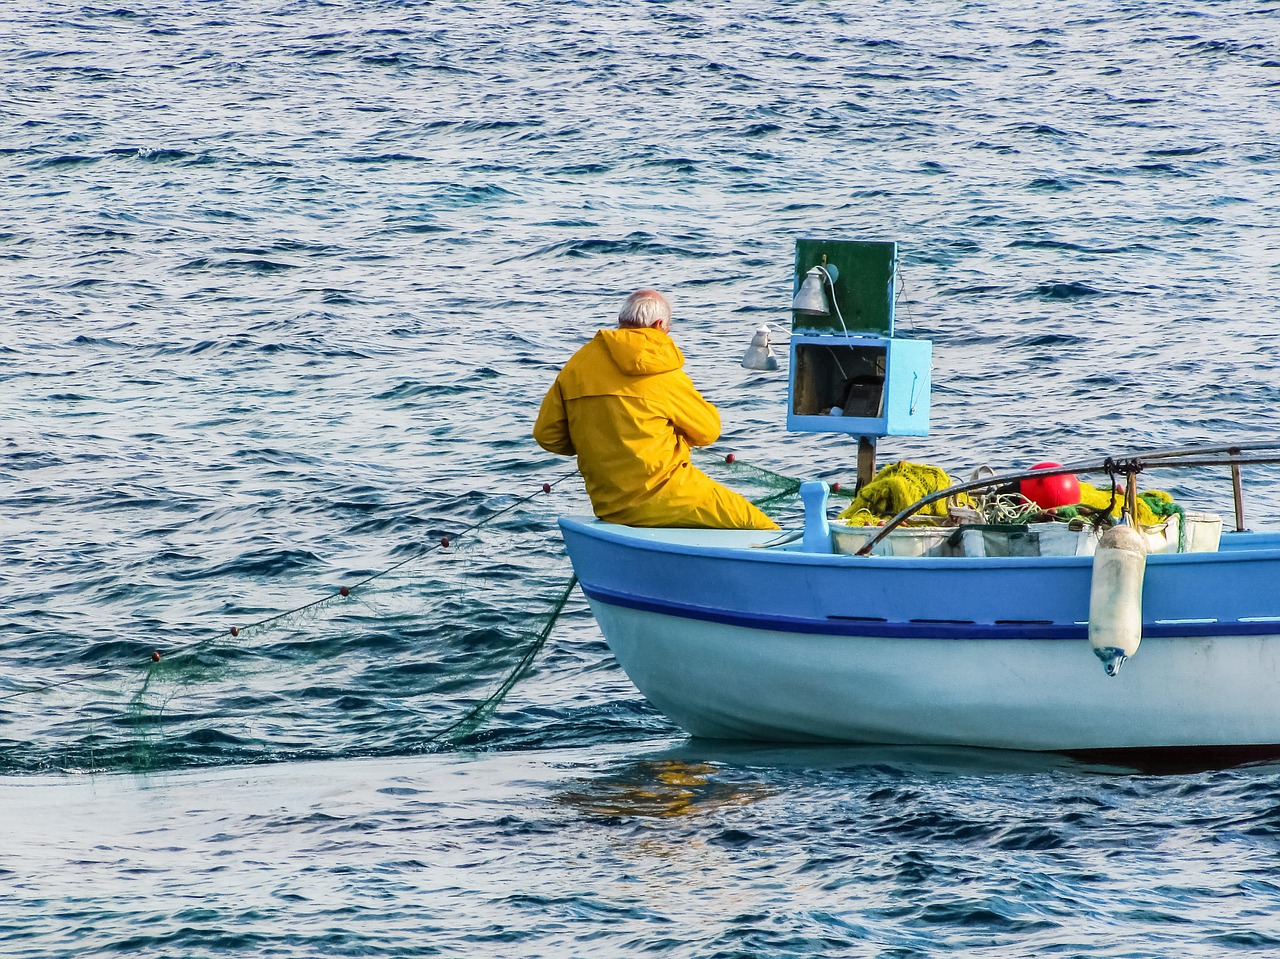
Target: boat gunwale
(617, 534)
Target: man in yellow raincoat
(624, 405)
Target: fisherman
(624, 405)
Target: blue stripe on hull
(933, 629)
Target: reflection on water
(950, 761)
(923, 760)
(1180, 760)
(661, 788)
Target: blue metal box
(849, 373)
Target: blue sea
(293, 664)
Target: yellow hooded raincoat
(624, 405)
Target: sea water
(282, 285)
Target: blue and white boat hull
(731, 640)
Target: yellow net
(892, 490)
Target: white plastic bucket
(998, 540)
(1059, 539)
(1164, 537)
(1204, 532)
(1033, 539)
(915, 541)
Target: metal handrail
(1129, 464)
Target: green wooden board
(863, 289)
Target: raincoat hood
(642, 351)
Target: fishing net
(418, 656)
(893, 489)
(411, 658)
(776, 493)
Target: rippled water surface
(283, 286)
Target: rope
(784, 486)
(781, 487)
(46, 687)
(342, 593)
(1012, 509)
(345, 591)
(474, 718)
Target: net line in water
(90, 719)
(478, 714)
(232, 696)
(345, 592)
(288, 616)
(462, 630)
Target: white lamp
(811, 299)
(759, 356)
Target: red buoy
(835, 487)
(344, 591)
(155, 655)
(235, 630)
(444, 541)
(730, 458)
(546, 487)
(1050, 491)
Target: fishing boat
(964, 633)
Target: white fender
(1115, 596)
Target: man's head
(646, 308)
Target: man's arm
(551, 431)
(693, 417)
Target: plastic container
(1204, 532)
(1032, 539)
(912, 541)
(999, 540)
(1164, 537)
(1059, 539)
(970, 539)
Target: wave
(1064, 291)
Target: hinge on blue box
(849, 373)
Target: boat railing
(1128, 465)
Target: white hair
(645, 308)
